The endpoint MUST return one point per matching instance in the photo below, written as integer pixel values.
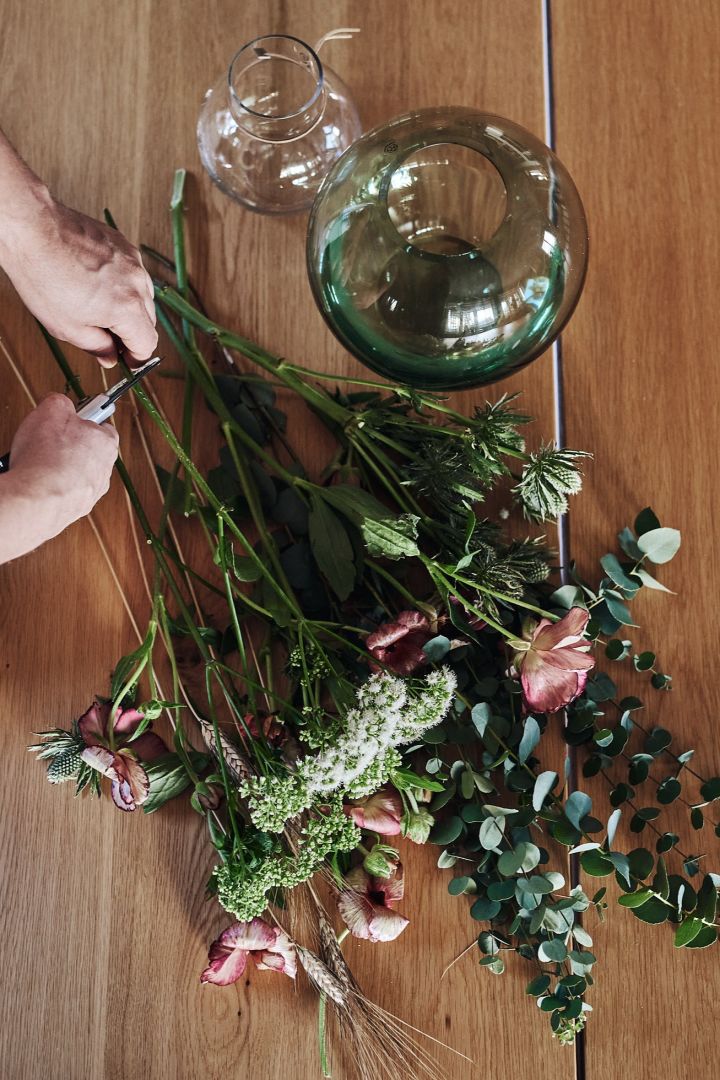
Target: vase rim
(315, 67)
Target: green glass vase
(447, 249)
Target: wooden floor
(103, 925)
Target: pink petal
(390, 632)
(358, 880)
(127, 721)
(380, 813)
(226, 966)
(149, 746)
(93, 724)
(392, 888)
(356, 912)
(386, 925)
(367, 920)
(133, 783)
(281, 957)
(567, 660)
(98, 757)
(548, 689)
(549, 635)
(250, 936)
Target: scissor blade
(124, 385)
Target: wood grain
(103, 922)
(637, 86)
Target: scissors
(100, 408)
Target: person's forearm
(23, 196)
(28, 516)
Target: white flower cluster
(363, 756)
(386, 716)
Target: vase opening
(446, 199)
(276, 88)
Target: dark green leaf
(710, 790)
(168, 778)
(635, 899)
(331, 548)
(484, 909)
(707, 936)
(646, 521)
(668, 790)
(446, 832)
(596, 864)
(538, 986)
(652, 911)
(614, 570)
(687, 930)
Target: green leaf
(501, 890)
(525, 856)
(543, 786)
(530, 738)
(484, 909)
(612, 825)
(460, 885)
(707, 936)
(596, 864)
(710, 790)
(660, 545)
(635, 899)
(481, 716)
(687, 930)
(553, 950)
(668, 790)
(168, 778)
(491, 832)
(437, 648)
(646, 521)
(615, 572)
(641, 863)
(652, 911)
(649, 581)
(644, 661)
(538, 986)
(577, 806)
(628, 543)
(707, 900)
(246, 569)
(331, 548)
(446, 832)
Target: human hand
(81, 279)
(60, 466)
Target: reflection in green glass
(416, 290)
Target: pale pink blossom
(269, 946)
(553, 661)
(120, 762)
(379, 813)
(366, 905)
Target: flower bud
(381, 861)
(417, 825)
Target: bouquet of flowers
(363, 655)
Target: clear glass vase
(447, 248)
(271, 128)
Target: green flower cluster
(244, 893)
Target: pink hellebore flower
(553, 661)
(399, 645)
(270, 948)
(366, 905)
(130, 785)
(379, 813)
